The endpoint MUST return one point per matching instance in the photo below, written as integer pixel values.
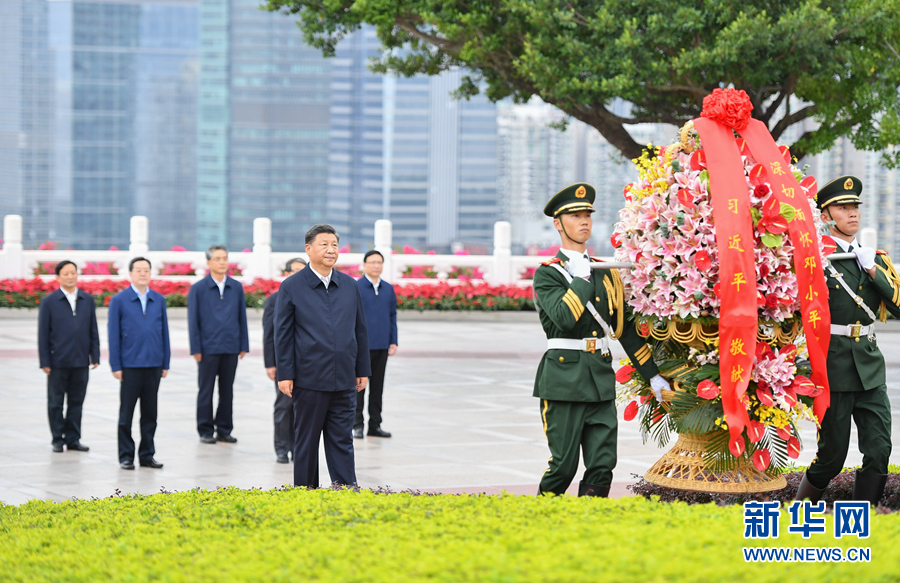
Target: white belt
(582, 344)
(853, 330)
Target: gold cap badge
(582, 192)
(848, 184)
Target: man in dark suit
(284, 409)
(380, 303)
(139, 357)
(217, 324)
(67, 343)
(322, 359)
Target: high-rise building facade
(404, 149)
(102, 103)
(263, 127)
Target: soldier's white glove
(865, 256)
(659, 384)
(579, 266)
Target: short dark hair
(319, 230)
(213, 248)
(63, 263)
(135, 260)
(371, 252)
(287, 266)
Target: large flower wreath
(667, 230)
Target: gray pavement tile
(458, 400)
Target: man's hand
(95, 365)
(659, 384)
(198, 357)
(165, 372)
(286, 387)
(117, 374)
(270, 371)
(241, 355)
(361, 383)
(866, 258)
(392, 350)
(46, 369)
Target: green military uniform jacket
(856, 364)
(571, 375)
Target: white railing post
(261, 256)
(384, 245)
(868, 237)
(12, 262)
(502, 272)
(138, 246)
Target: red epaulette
(881, 252)
(551, 261)
(598, 259)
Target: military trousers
(871, 410)
(570, 427)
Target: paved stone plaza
(457, 399)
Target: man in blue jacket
(284, 410)
(139, 357)
(67, 343)
(322, 359)
(380, 303)
(217, 325)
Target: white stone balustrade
(501, 268)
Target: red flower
(644, 329)
(717, 289)
(804, 386)
(786, 152)
(623, 375)
(758, 176)
(631, 411)
(809, 186)
(708, 390)
(829, 245)
(645, 399)
(686, 198)
(736, 446)
(772, 221)
(755, 431)
(698, 160)
(783, 432)
(761, 190)
(789, 352)
(702, 260)
(764, 351)
(764, 396)
(790, 397)
(742, 145)
(771, 301)
(763, 270)
(616, 243)
(761, 459)
(793, 448)
(627, 191)
(729, 107)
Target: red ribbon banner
(738, 318)
(807, 260)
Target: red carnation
(763, 270)
(631, 411)
(729, 107)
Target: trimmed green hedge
(326, 535)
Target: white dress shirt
(221, 285)
(845, 247)
(72, 297)
(326, 279)
(375, 283)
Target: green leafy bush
(342, 535)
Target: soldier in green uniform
(858, 289)
(579, 308)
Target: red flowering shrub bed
(27, 293)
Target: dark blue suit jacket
(268, 322)
(217, 325)
(321, 342)
(138, 340)
(64, 340)
(381, 313)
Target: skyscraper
(404, 149)
(103, 99)
(263, 126)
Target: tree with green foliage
(833, 62)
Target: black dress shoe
(357, 433)
(377, 432)
(77, 446)
(225, 438)
(127, 465)
(57, 447)
(207, 439)
(282, 458)
(150, 463)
